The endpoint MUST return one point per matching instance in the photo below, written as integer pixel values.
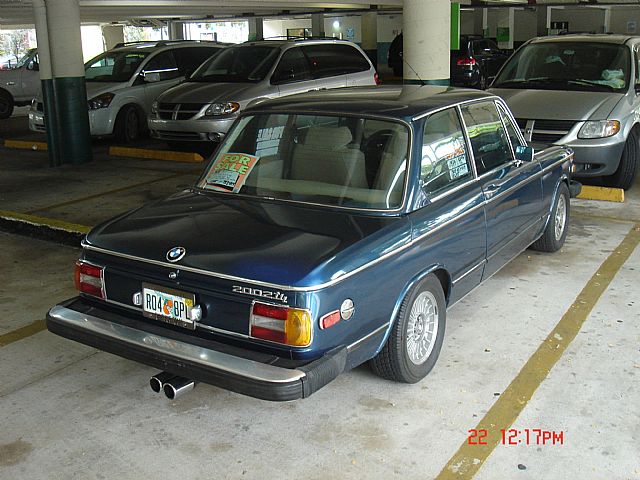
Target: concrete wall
(625, 20)
(580, 19)
(525, 25)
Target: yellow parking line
(589, 192)
(25, 144)
(466, 462)
(22, 333)
(149, 154)
(108, 192)
(43, 221)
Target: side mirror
(524, 154)
(151, 77)
(637, 88)
(33, 66)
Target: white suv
(20, 84)
(122, 83)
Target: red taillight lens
(291, 326)
(466, 61)
(89, 279)
(376, 78)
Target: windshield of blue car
(113, 66)
(339, 161)
(237, 64)
(581, 66)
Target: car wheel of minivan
(416, 338)
(128, 124)
(6, 104)
(626, 172)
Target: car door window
(165, 64)
(330, 59)
(480, 47)
(445, 163)
(637, 60)
(493, 47)
(512, 131)
(190, 58)
(488, 138)
(292, 67)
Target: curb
(43, 228)
(186, 157)
(601, 193)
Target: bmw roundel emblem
(176, 253)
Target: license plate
(168, 305)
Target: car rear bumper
(250, 377)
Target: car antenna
(422, 82)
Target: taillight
(89, 279)
(466, 61)
(376, 78)
(290, 326)
(330, 319)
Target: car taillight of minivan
(376, 78)
(286, 325)
(89, 279)
(466, 61)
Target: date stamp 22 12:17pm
(513, 436)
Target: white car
(122, 83)
(20, 84)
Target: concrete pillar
(255, 29)
(69, 122)
(112, 35)
(506, 25)
(317, 25)
(46, 79)
(426, 28)
(369, 23)
(176, 30)
(544, 20)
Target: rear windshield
(113, 66)
(237, 64)
(588, 66)
(328, 160)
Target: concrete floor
(69, 411)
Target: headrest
(328, 137)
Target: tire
(128, 128)
(555, 232)
(628, 166)
(409, 355)
(6, 104)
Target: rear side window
(488, 138)
(329, 60)
(188, 59)
(165, 64)
(445, 163)
(292, 67)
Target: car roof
(278, 41)
(585, 37)
(154, 46)
(402, 102)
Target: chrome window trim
(409, 160)
(456, 104)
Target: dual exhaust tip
(172, 385)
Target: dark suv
(474, 65)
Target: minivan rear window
(113, 66)
(328, 60)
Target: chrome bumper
(235, 373)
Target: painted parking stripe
(102, 194)
(466, 462)
(23, 332)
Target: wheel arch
(564, 178)
(141, 113)
(443, 276)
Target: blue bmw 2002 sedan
(328, 229)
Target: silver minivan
(203, 108)
(122, 83)
(581, 91)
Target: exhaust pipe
(177, 386)
(159, 379)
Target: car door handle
(517, 163)
(11, 83)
